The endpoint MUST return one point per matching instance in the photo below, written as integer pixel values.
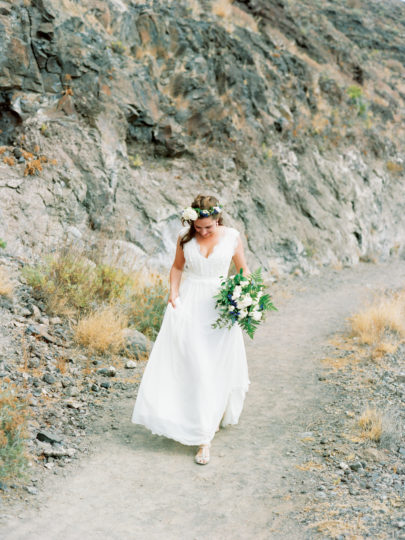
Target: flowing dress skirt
(196, 376)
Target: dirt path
(138, 486)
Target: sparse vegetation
(135, 161)
(118, 47)
(102, 330)
(356, 97)
(33, 167)
(13, 418)
(371, 424)
(386, 315)
(6, 285)
(69, 283)
(147, 306)
(394, 167)
(222, 8)
(3, 244)
(9, 160)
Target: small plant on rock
(356, 97)
(118, 47)
(135, 161)
(6, 285)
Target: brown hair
(204, 202)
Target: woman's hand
(172, 298)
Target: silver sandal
(203, 455)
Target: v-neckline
(213, 249)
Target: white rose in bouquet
(237, 292)
(246, 301)
(243, 313)
(190, 214)
(257, 315)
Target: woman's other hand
(172, 299)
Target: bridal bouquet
(243, 300)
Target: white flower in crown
(216, 209)
(189, 214)
(205, 213)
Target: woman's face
(205, 226)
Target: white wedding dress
(196, 376)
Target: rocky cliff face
(115, 113)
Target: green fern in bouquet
(243, 300)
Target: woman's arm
(239, 258)
(175, 273)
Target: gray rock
(400, 377)
(48, 436)
(36, 312)
(356, 466)
(109, 371)
(31, 490)
(57, 453)
(136, 342)
(130, 364)
(72, 391)
(95, 387)
(49, 378)
(33, 362)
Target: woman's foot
(202, 457)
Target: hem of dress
(187, 442)
(168, 436)
(244, 389)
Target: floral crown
(191, 214)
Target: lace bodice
(217, 263)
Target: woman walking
(196, 376)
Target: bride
(196, 376)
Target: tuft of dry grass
(385, 315)
(222, 8)
(102, 330)
(371, 424)
(13, 433)
(6, 285)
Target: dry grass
(222, 8)
(395, 167)
(385, 315)
(334, 528)
(6, 285)
(13, 432)
(102, 331)
(371, 424)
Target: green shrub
(13, 418)
(147, 308)
(3, 244)
(70, 282)
(118, 47)
(356, 97)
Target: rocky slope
(115, 113)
